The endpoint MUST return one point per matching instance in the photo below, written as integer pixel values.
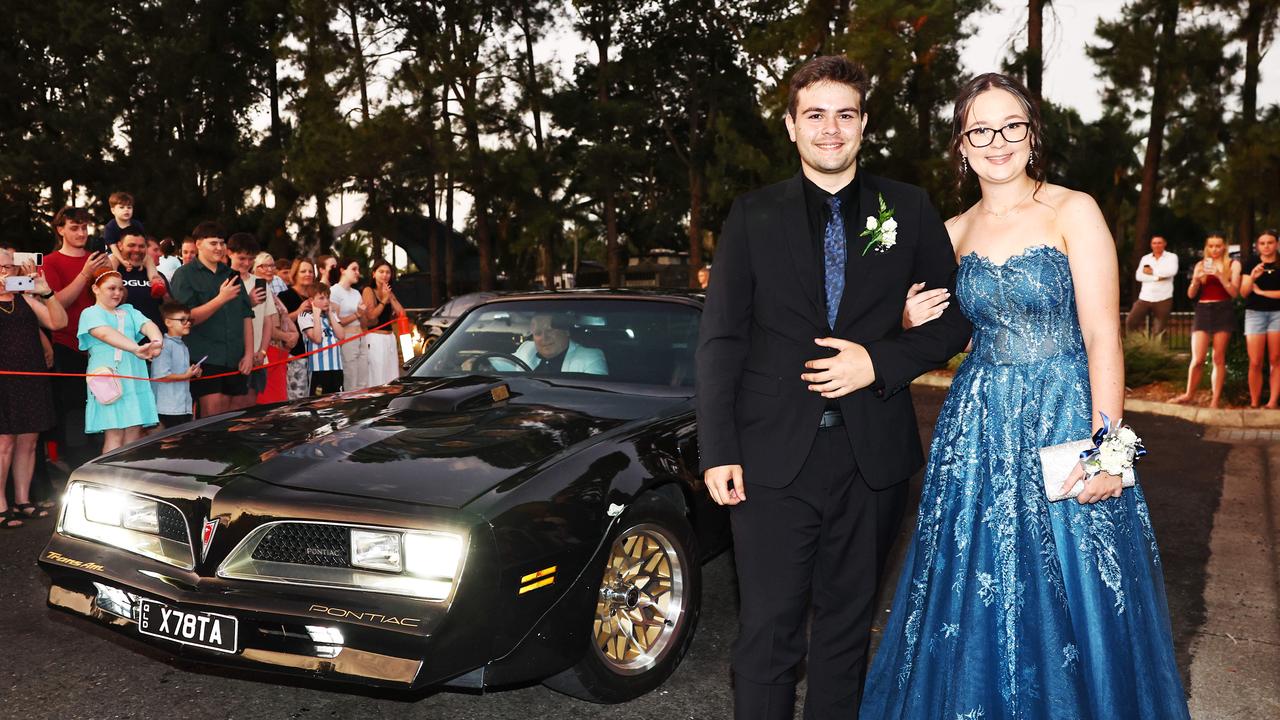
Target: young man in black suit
(805, 424)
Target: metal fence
(1177, 333)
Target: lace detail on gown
(1010, 606)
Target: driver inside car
(549, 351)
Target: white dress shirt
(1157, 286)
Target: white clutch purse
(1057, 462)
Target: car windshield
(625, 341)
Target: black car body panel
(531, 473)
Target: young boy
(121, 217)
(173, 399)
(320, 328)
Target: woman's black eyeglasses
(984, 136)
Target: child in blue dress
(110, 332)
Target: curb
(1241, 418)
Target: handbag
(102, 381)
(1057, 462)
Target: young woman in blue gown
(1009, 605)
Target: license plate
(209, 631)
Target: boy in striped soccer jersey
(321, 329)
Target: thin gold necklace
(1012, 210)
(9, 310)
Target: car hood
(442, 441)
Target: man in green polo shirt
(222, 320)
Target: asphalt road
(53, 665)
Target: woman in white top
(346, 300)
(380, 306)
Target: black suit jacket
(764, 309)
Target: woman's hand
(1198, 273)
(1257, 271)
(41, 285)
(1100, 487)
(924, 305)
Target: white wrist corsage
(1116, 448)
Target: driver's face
(549, 341)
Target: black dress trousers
(819, 543)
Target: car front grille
(172, 525)
(306, 544)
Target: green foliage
(1148, 360)
(257, 112)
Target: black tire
(626, 671)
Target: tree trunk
(697, 191)
(1035, 47)
(433, 241)
(612, 249)
(358, 58)
(1251, 28)
(477, 183)
(1160, 82)
(546, 256)
(449, 286)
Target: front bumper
(385, 641)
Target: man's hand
(719, 479)
(229, 290)
(95, 260)
(246, 364)
(258, 296)
(842, 374)
(1146, 270)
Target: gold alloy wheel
(641, 605)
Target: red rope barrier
(289, 359)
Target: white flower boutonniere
(881, 228)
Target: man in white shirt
(550, 351)
(1155, 271)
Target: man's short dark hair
(173, 307)
(71, 214)
(243, 243)
(208, 229)
(132, 231)
(828, 68)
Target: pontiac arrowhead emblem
(206, 537)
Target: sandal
(30, 510)
(10, 519)
(46, 504)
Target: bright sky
(1070, 76)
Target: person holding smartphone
(1260, 288)
(244, 249)
(26, 402)
(221, 317)
(1215, 281)
(68, 271)
(172, 368)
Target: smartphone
(259, 283)
(25, 258)
(19, 283)
(201, 360)
(96, 245)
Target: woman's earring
(964, 165)
(1031, 161)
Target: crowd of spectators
(144, 334)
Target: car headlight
(125, 520)
(376, 550)
(416, 563)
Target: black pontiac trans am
(477, 523)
